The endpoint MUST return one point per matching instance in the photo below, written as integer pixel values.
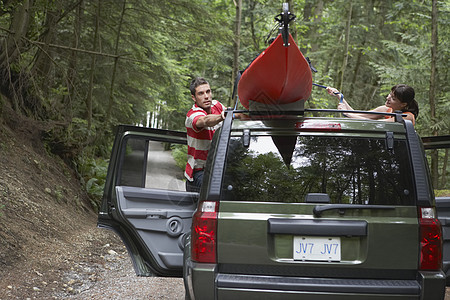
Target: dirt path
(112, 277)
(96, 266)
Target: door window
(153, 164)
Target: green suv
(291, 207)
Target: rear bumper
(430, 285)
(206, 283)
(317, 285)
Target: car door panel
(145, 201)
(441, 143)
(160, 218)
(443, 211)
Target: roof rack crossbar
(397, 115)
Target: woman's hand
(333, 92)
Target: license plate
(317, 248)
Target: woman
(400, 98)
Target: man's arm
(210, 120)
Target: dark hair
(406, 94)
(196, 82)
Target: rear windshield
(348, 170)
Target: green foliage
(93, 176)
(179, 153)
(59, 193)
(442, 193)
(153, 48)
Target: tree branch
(121, 56)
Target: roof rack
(398, 115)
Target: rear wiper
(319, 209)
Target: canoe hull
(278, 76)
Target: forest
(84, 66)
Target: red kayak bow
(280, 75)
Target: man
(202, 120)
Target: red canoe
(278, 76)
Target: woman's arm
(345, 106)
(367, 116)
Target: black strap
(310, 65)
(236, 82)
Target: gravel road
(114, 278)
(96, 266)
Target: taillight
(430, 240)
(204, 232)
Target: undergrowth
(179, 153)
(92, 173)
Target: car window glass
(349, 170)
(153, 164)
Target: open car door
(145, 201)
(441, 146)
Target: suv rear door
(145, 201)
(269, 217)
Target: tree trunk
(360, 55)
(355, 72)
(307, 13)
(255, 39)
(73, 62)
(292, 29)
(10, 50)
(330, 62)
(116, 60)
(11, 45)
(444, 170)
(43, 63)
(91, 79)
(237, 43)
(312, 9)
(432, 95)
(347, 42)
(318, 12)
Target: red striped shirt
(199, 140)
